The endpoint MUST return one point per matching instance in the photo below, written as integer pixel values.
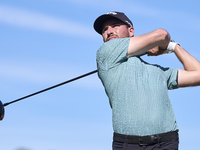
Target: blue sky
(45, 42)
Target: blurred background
(45, 42)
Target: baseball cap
(98, 24)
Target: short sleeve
(171, 74)
(112, 53)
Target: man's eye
(115, 25)
(104, 30)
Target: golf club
(2, 110)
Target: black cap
(98, 24)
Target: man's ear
(131, 31)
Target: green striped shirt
(137, 91)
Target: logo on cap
(112, 13)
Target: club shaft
(49, 88)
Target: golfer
(142, 114)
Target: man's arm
(190, 76)
(141, 44)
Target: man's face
(115, 28)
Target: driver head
(1, 111)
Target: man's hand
(155, 51)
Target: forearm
(189, 62)
(191, 75)
(141, 44)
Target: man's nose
(110, 30)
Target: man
(142, 114)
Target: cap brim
(98, 24)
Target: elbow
(163, 37)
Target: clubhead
(1, 111)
